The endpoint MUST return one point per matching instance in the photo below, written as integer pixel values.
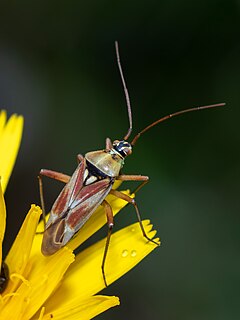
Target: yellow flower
(64, 286)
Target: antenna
(174, 115)
(126, 93)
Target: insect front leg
(132, 201)
(53, 175)
(130, 177)
(109, 214)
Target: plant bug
(91, 182)
(4, 276)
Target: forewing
(88, 199)
(71, 189)
(63, 229)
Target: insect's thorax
(108, 163)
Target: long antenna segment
(174, 115)
(126, 93)
(159, 120)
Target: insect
(4, 276)
(91, 182)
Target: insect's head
(122, 147)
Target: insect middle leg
(53, 175)
(118, 194)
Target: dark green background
(58, 69)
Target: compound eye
(122, 147)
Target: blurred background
(58, 68)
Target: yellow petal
(83, 309)
(84, 278)
(3, 118)
(10, 138)
(97, 220)
(18, 255)
(44, 277)
(2, 222)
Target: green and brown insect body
(89, 185)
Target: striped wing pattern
(77, 201)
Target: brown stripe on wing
(89, 198)
(78, 178)
(62, 203)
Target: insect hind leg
(109, 214)
(132, 201)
